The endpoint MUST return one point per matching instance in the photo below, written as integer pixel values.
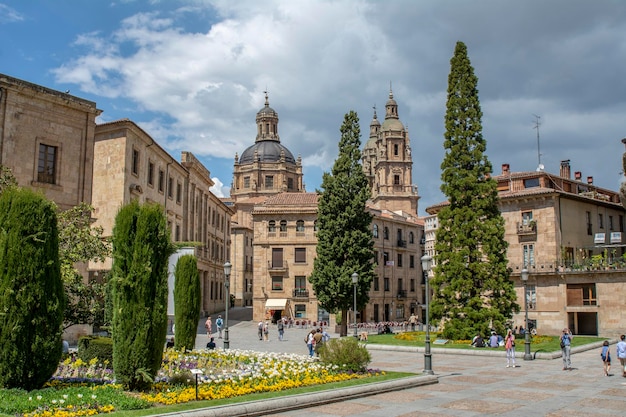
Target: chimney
(590, 180)
(505, 168)
(578, 175)
(565, 169)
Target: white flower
(80, 395)
(39, 397)
(94, 396)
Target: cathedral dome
(266, 151)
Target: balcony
(401, 293)
(401, 243)
(277, 266)
(300, 293)
(524, 229)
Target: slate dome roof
(268, 151)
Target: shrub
(32, 299)
(101, 348)
(346, 353)
(186, 301)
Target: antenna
(537, 124)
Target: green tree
(186, 301)
(31, 290)
(79, 243)
(7, 179)
(344, 239)
(141, 248)
(472, 286)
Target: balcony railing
(277, 266)
(529, 228)
(401, 293)
(300, 293)
(401, 243)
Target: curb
(293, 402)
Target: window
(376, 284)
(300, 283)
(315, 225)
(269, 181)
(395, 149)
(386, 283)
(375, 231)
(621, 223)
(611, 223)
(277, 283)
(151, 173)
(589, 225)
(411, 237)
(299, 311)
(283, 225)
(411, 261)
(396, 180)
(300, 226)
(600, 220)
(386, 233)
(246, 182)
(385, 258)
(400, 260)
(177, 233)
(170, 187)
(277, 258)
(376, 257)
(47, 166)
(412, 285)
(300, 255)
(531, 183)
(581, 295)
(135, 162)
(529, 255)
(527, 217)
(179, 192)
(271, 226)
(290, 183)
(161, 180)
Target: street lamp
(227, 267)
(428, 364)
(527, 355)
(355, 280)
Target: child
(606, 357)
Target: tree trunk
(344, 323)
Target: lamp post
(527, 355)
(355, 280)
(428, 363)
(227, 267)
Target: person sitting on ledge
(211, 344)
(170, 343)
(478, 341)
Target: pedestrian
(170, 343)
(310, 342)
(207, 326)
(260, 329)
(281, 329)
(509, 345)
(493, 340)
(606, 357)
(566, 342)
(412, 322)
(325, 336)
(220, 326)
(266, 331)
(621, 354)
(211, 344)
(318, 341)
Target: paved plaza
(467, 384)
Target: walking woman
(566, 341)
(509, 344)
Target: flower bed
(84, 389)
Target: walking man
(220, 325)
(281, 329)
(621, 354)
(566, 341)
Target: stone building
(276, 217)
(568, 233)
(131, 165)
(46, 139)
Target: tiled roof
(292, 199)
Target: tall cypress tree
(32, 299)
(344, 239)
(472, 287)
(141, 248)
(186, 301)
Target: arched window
(271, 226)
(300, 226)
(375, 231)
(386, 233)
(283, 225)
(411, 237)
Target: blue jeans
(566, 361)
(310, 346)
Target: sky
(192, 74)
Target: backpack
(219, 322)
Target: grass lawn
(538, 343)
(387, 376)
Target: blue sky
(192, 74)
